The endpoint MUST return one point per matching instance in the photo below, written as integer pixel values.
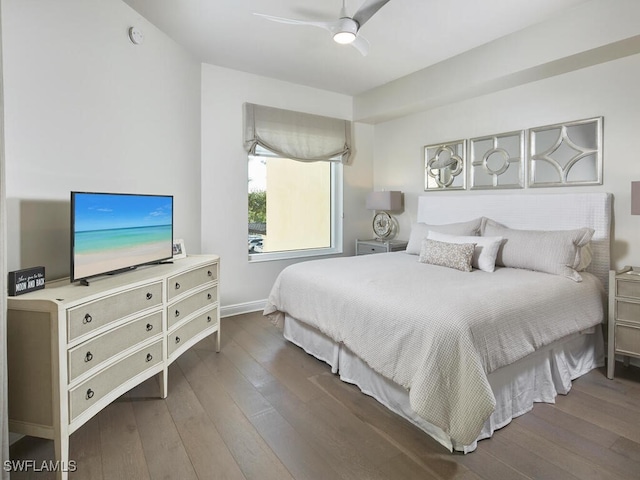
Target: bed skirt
(539, 377)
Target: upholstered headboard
(563, 211)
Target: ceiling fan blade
(325, 25)
(361, 44)
(368, 10)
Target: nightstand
(365, 247)
(624, 316)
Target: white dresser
(73, 349)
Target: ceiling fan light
(346, 31)
(344, 38)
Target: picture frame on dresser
(179, 250)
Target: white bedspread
(434, 330)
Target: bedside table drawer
(628, 312)
(628, 289)
(628, 339)
(365, 248)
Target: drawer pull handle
(90, 394)
(177, 314)
(177, 286)
(208, 318)
(88, 357)
(149, 357)
(149, 296)
(208, 296)
(149, 327)
(87, 318)
(209, 273)
(177, 339)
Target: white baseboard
(632, 360)
(240, 308)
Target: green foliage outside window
(258, 206)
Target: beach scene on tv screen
(114, 232)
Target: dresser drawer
(628, 339)
(186, 332)
(89, 316)
(365, 248)
(628, 289)
(193, 303)
(101, 384)
(179, 284)
(628, 312)
(93, 352)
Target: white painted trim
(240, 308)
(632, 360)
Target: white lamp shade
(387, 200)
(635, 198)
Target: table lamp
(384, 225)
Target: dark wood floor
(263, 409)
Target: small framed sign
(26, 280)
(179, 251)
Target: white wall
(590, 33)
(224, 175)
(608, 89)
(85, 109)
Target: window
(295, 207)
(295, 182)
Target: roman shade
(296, 135)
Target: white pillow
(556, 251)
(485, 253)
(419, 231)
(444, 254)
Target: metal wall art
(444, 166)
(558, 155)
(497, 161)
(566, 154)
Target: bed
(460, 353)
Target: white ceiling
(405, 35)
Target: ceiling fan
(345, 29)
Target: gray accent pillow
(555, 251)
(484, 256)
(419, 231)
(444, 254)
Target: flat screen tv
(114, 232)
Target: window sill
(293, 254)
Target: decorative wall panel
(497, 161)
(445, 166)
(566, 154)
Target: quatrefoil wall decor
(444, 166)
